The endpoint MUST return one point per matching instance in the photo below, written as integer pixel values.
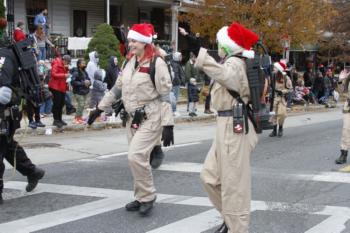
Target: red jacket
(58, 75)
(19, 35)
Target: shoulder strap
(152, 70)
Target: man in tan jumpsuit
(345, 139)
(137, 90)
(283, 85)
(226, 171)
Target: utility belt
(6, 115)
(241, 113)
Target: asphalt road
(296, 187)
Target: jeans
(46, 107)
(42, 54)
(68, 101)
(176, 93)
(289, 99)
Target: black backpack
(258, 71)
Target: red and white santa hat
(238, 38)
(281, 66)
(142, 32)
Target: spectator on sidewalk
(178, 78)
(41, 40)
(46, 106)
(19, 34)
(193, 96)
(58, 87)
(92, 65)
(41, 20)
(33, 113)
(112, 72)
(206, 93)
(318, 87)
(309, 76)
(190, 72)
(98, 89)
(81, 87)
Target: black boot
(1, 200)
(133, 206)
(342, 157)
(274, 132)
(146, 207)
(280, 131)
(156, 157)
(34, 178)
(222, 229)
(57, 123)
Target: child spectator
(98, 88)
(193, 96)
(46, 106)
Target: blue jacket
(40, 20)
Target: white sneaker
(177, 114)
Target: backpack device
(258, 71)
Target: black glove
(124, 116)
(168, 135)
(280, 93)
(117, 107)
(93, 115)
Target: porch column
(108, 12)
(175, 23)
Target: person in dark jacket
(193, 96)
(58, 87)
(81, 87)
(178, 77)
(98, 89)
(112, 72)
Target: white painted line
(181, 167)
(115, 199)
(164, 148)
(51, 219)
(333, 224)
(333, 177)
(194, 224)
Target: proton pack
(30, 85)
(258, 72)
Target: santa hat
(280, 66)
(238, 39)
(142, 33)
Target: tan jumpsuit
(280, 103)
(137, 91)
(226, 171)
(345, 139)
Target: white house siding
(59, 16)
(95, 13)
(20, 11)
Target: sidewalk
(110, 123)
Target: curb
(296, 110)
(104, 125)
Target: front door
(79, 23)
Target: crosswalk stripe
(116, 199)
(194, 224)
(333, 177)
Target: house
(80, 17)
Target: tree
(105, 43)
(334, 45)
(301, 20)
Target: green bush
(105, 43)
